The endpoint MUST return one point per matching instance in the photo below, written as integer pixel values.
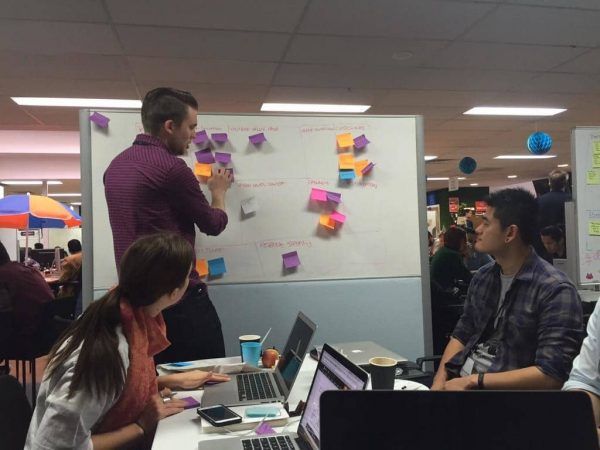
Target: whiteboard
(380, 237)
(586, 196)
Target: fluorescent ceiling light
(511, 176)
(562, 165)
(461, 178)
(308, 107)
(437, 178)
(474, 184)
(430, 157)
(510, 111)
(524, 156)
(77, 102)
(28, 182)
(62, 194)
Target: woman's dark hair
(454, 237)
(555, 232)
(162, 104)
(74, 246)
(152, 266)
(516, 207)
(4, 258)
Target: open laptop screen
(334, 372)
(295, 349)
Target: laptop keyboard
(255, 386)
(270, 443)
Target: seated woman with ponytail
(100, 388)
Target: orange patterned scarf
(146, 337)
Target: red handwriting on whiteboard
(211, 250)
(367, 184)
(271, 244)
(262, 184)
(318, 182)
(299, 244)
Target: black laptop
(472, 420)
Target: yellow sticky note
(204, 170)
(346, 161)
(359, 166)
(202, 267)
(327, 221)
(594, 228)
(344, 140)
(596, 155)
(593, 177)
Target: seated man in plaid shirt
(522, 322)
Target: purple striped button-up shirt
(148, 190)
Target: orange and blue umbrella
(35, 211)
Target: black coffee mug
(383, 372)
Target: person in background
(522, 322)
(474, 259)
(100, 388)
(38, 246)
(149, 188)
(447, 266)
(23, 296)
(552, 204)
(430, 242)
(74, 246)
(553, 239)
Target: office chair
(15, 414)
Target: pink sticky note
(201, 137)
(318, 195)
(338, 217)
(100, 120)
(264, 428)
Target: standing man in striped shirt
(149, 188)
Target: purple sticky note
(190, 402)
(222, 158)
(264, 428)
(100, 120)
(361, 141)
(201, 137)
(290, 260)
(257, 138)
(367, 168)
(334, 197)
(205, 156)
(221, 138)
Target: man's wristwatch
(480, 385)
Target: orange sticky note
(204, 170)
(327, 221)
(359, 166)
(202, 267)
(346, 161)
(344, 140)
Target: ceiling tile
(423, 19)
(589, 62)
(213, 93)
(264, 15)
(464, 99)
(68, 10)
(56, 118)
(210, 44)
(580, 4)
(56, 87)
(12, 116)
(561, 83)
(279, 94)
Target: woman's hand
(158, 407)
(193, 379)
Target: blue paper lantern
(467, 165)
(539, 143)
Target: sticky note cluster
(333, 220)
(321, 195)
(345, 141)
(212, 267)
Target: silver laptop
(361, 352)
(266, 386)
(334, 372)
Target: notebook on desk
(266, 386)
(334, 372)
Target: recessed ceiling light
(474, 184)
(430, 157)
(402, 56)
(511, 176)
(562, 165)
(524, 156)
(510, 111)
(62, 194)
(29, 182)
(310, 107)
(437, 178)
(461, 178)
(77, 102)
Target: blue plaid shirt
(542, 325)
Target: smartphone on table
(219, 415)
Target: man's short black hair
(162, 104)
(516, 207)
(558, 180)
(555, 232)
(74, 246)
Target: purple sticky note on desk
(264, 428)
(257, 138)
(222, 158)
(334, 197)
(201, 137)
(219, 137)
(100, 120)
(190, 402)
(205, 156)
(361, 141)
(290, 260)
(368, 168)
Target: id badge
(467, 368)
